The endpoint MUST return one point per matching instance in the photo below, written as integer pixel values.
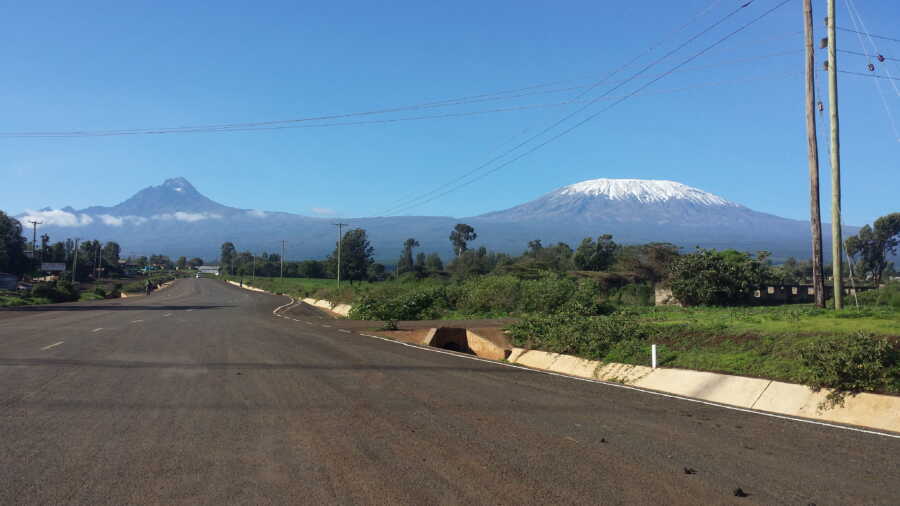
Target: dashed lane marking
(98, 329)
(167, 315)
(345, 331)
(52, 345)
(136, 321)
(326, 326)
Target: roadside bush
(56, 291)
(888, 295)
(849, 365)
(416, 305)
(713, 278)
(587, 337)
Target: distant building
(212, 270)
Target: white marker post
(653, 355)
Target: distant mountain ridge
(174, 218)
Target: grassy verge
(15, 300)
(851, 350)
(302, 287)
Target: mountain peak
(644, 191)
(178, 184)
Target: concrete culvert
(449, 338)
(488, 342)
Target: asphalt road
(199, 395)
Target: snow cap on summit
(644, 190)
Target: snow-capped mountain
(629, 201)
(176, 219)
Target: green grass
(794, 320)
(12, 301)
(296, 287)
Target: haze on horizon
(174, 65)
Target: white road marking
(167, 315)
(345, 331)
(189, 310)
(98, 329)
(279, 308)
(327, 326)
(636, 389)
(52, 345)
(136, 321)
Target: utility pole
(75, 261)
(340, 227)
(282, 259)
(836, 239)
(815, 214)
(34, 225)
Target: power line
(871, 35)
(524, 107)
(592, 116)
(280, 124)
(411, 203)
(863, 74)
(854, 17)
(876, 56)
(530, 90)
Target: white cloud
(113, 221)
(118, 221)
(324, 211)
(186, 216)
(57, 218)
(256, 213)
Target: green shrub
(849, 365)
(56, 291)
(888, 295)
(415, 305)
(588, 337)
(713, 278)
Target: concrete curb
(246, 287)
(341, 309)
(866, 410)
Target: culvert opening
(453, 339)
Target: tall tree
(181, 263)
(12, 246)
(226, 257)
(874, 244)
(433, 263)
(595, 256)
(111, 253)
(406, 263)
(195, 262)
(356, 256)
(460, 237)
(420, 267)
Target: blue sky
(737, 132)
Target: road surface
(199, 395)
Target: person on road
(149, 287)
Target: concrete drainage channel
(486, 343)
(764, 397)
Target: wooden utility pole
(836, 239)
(34, 224)
(282, 259)
(815, 214)
(340, 227)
